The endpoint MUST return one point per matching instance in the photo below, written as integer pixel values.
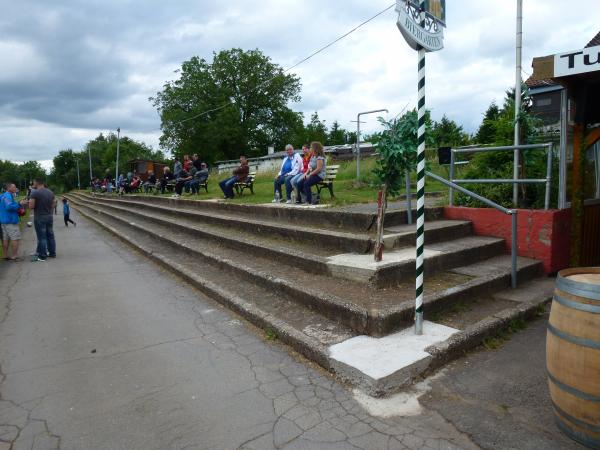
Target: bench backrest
(331, 172)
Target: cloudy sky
(73, 69)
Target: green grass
(346, 189)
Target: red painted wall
(541, 235)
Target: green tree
(235, 104)
(397, 149)
(447, 133)
(337, 135)
(316, 130)
(487, 130)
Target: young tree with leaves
(397, 149)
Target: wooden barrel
(573, 354)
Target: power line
(315, 53)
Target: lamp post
(358, 137)
(118, 142)
(90, 161)
(78, 179)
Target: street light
(78, 179)
(358, 138)
(90, 161)
(118, 141)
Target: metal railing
(548, 146)
(511, 212)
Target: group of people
(41, 201)
(299, 173)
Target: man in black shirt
(42, 202)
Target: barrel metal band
(577, 435)
(580, 423)
(571, 390)
(574, 339)
(576, 305)
(590, 292)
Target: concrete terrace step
(321, 258)
(298, 308)
(330, 218)
(355, 305)
(323, 238)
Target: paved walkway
(101, 349)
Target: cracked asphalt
(102, 349)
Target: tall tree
(236, 103)
(316, 130)
(337, 135)
(487, 132)
(446, 132)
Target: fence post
(513, 250)
(548, 176)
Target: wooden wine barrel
(573, 354)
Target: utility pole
(519, 46)
(118, 141)
(90, 161)
(78, 179)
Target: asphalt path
(102, 349)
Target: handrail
(548, 146)
(511, 212)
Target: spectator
(306, 154)
(135, 184)
(177, 167)
(108, 181)
(200, 176)
(121, 182)
(150, 181)
(167, 177)
(196, 161)
(182, 179)
(187, 163)
(290, 167)
(9, 221)
(317, 168)
(67, 213)
(42, 202)
(240, 174)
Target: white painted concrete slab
(366, 261)
(381, 357)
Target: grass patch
(495, 342)
(270, 334)
(346, 188)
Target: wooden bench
(204, 185)
(248, 184)
(330, 174)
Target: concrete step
(435, 231)
(318, 237)
(399, 264)
(319, 216)
(352, 304)
(314, 315)
(318, 250)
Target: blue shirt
(66, 209)
(287, 166)
(8, 209)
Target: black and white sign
(431, 36)
(578, 61)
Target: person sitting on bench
(290, 167)
(200, 177)
(317, 168)
(150, 182)
(167, 177)
(182, 179)
(240, 174)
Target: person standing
(42, 203)
(9, 222)
(67, 213)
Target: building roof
(531, 82)
(595, 41)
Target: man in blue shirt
(290, 167)
(9, 220)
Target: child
(67, 212)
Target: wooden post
(577, 193)
(381, 207)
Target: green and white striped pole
(420, 184)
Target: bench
(248, 184)
(204, 185)
(330, 174)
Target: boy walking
(67, 212)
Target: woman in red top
(187, 163)
(306, 154)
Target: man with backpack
(10, 210)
